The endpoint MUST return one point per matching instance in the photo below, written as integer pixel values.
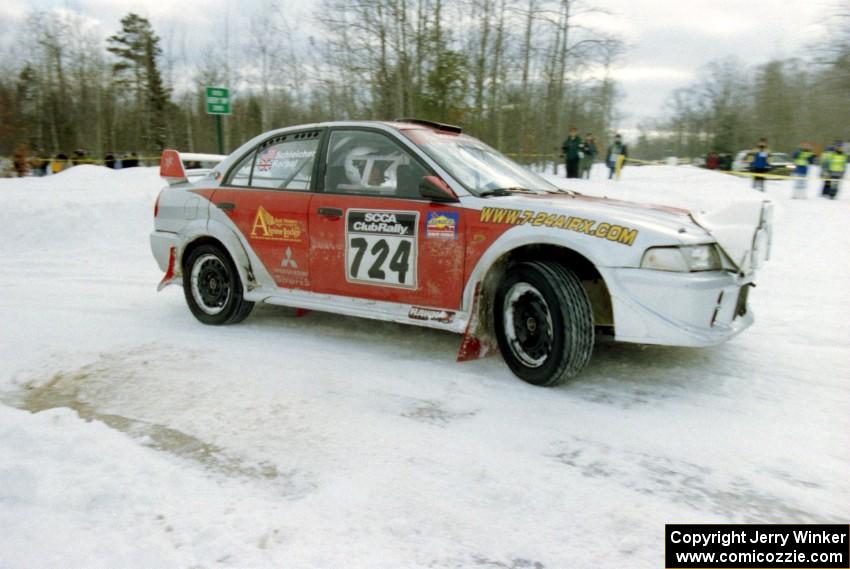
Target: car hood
(733, 226)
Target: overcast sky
(668, 40)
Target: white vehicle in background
(414, 222)
(780, 163)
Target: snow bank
(83, 207)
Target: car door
(371, 233)
(267, 199)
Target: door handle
(226, 206)
(330, 211)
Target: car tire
(212, 287)
(543, 322)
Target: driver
(372, 167)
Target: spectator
(760, 164)
(131, 161)
(825, 158)
(589, 152)
(803, 158)
(38, 165)
(616, 157)
(109, 160)
(712, 161)
(572, 152)
(837, 166)
(20, 161)
(60, 162)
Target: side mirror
(434, 188)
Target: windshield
(478, 167)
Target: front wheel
(212, 287)
(543, 322)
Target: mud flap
(169, 273)
(476, 343)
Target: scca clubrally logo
(267, 226)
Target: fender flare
(231, 243)
(516, 238)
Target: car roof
(399, 124)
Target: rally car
(415, 222)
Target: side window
(282, 163)
(242, 175)
(369, 163)
(286, 164)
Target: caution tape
(764, 175)
(651, 162)
(531, 155)
(556, 155)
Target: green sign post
(218, 103)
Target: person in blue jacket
(760, 164)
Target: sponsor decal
(611, 232)
(292, 277)
(289, 272)
(441, 224)
(380, 222)
(381, 247)
(266, 226)
(431, 314)
(288, 261)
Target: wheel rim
(528, 324)
(210, 284)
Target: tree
(137, 48)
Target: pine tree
(137, 49)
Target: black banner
(759, 546)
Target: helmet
(367, 166)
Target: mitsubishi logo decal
(288, 261)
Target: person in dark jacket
(20, 161)
(825, 156)
(760, 164)
(572, 152)
(616, 156)
(589, 152)
(132, 161)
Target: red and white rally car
(414, 222)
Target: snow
(133, 436)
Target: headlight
(682, 259)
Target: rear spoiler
(173, 165)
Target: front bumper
(678, 309)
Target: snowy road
(326, 441)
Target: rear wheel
(543, 322)
(212, 287)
